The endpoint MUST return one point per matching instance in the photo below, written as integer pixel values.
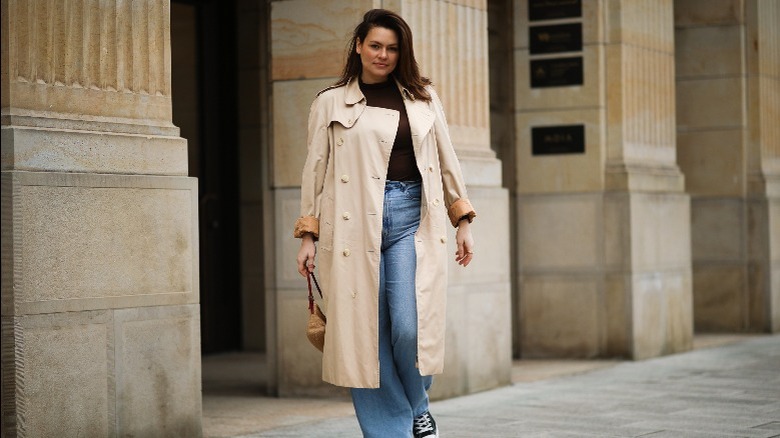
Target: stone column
(451, 46)
(728, 106)
(604, 238)
(99, 226)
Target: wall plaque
(558, 72)
(556, 38)
(552, 140)
(553, 9)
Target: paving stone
(730, 391)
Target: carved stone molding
(87, 58)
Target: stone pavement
(726, 391)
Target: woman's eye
(375, 46)
(393, 49)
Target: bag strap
(309, 278)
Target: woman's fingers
(305, 257)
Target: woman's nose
(383, 53)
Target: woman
(380, 179)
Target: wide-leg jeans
(390, 410)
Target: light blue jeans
(389, 410)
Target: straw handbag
(315, 329)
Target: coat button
(354, 294)
(346, 252)
(344, 178)
(346, 216)
(430, 168)
(436, 202)
(349, 122)
(443, 239)
(340, 141)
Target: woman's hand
(465, 252)
(306, 255)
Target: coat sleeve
(455, 195)
(313, 177)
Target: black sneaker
(425, 426)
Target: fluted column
(450, 42)
(604, 255)
(99, 225)
(728, 88)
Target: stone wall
(603, 258)
(727, 91)
(100, 326)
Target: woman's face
(378, 54)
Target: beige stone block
(774, 228)
(560, 173)
(88, 104)
(660, 232)
(662, 315)
(718, 230)
(708, 51)
(291, 103)
(560, 316)
(713, 161)
(41, 148)
(556, 98)
(709, 103)
(67, 383)
(490, 230)
(487, 328)
(617, 226)
(480, 172)
(158, 376)
(101, 241)
(617, 314)
(560, 232)
(718, 297)
(708, 12)
(453, 381)
(774, 310)
(309, 38)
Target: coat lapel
(421, 117)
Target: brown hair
(406, 71)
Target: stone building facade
(623, 155)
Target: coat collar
(353, 95)
(421, 117)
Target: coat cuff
(307, 224)
(458, 209)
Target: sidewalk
(723, 391)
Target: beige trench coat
(342, 195)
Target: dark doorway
(205, 108)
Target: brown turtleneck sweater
(402, 166)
